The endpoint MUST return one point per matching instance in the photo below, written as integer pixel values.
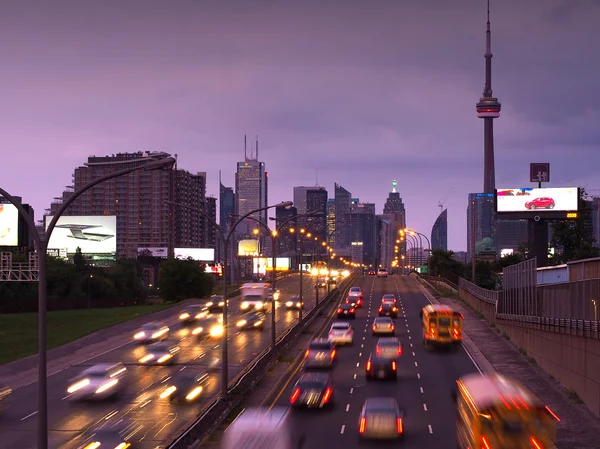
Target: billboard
(248, 247)
(539, 172)
(200, 254)
(263, 264)
(9, 225)
(93, 234)
(529, 202)
(162, 253)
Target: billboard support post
(41, 244)
(539, 172)
(226, 240)
(538, 236)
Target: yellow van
(497, 412)
(441, 325)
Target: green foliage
(573, 239)
(442, 263)
(79, 260)
(181, 279)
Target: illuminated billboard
(200, 254)
(9, 225)
(263, 264)
(161, 253)
(93, 234)
(561, 202)
(248, 247)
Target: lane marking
(421, 389)
(362, 346)
(416, 364)
(409, 337)
(355, 376)
(347, 407)
(418, 376)
(360, 354)
(351, 390)
(29, 416)
(430, 429)
(358, 364)
(343, 428)
(411, 345)
(425, 407)
(414, 354)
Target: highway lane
(423, 389)
(157, 419)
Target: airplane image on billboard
(77, 232)
(93, 234)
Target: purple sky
(367, 93)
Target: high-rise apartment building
(210, 240)
(190, 225)
(439, 232)
(342, 200)
(250, 190)
(480, 219)
(360, 230)
(287, 224)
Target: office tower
(137, 200)
(378, 239)
(300, 198)
(331, 222)
(479, 220)
(287, 224)
(342, 207)
(510, 235)
(250, 190)
(394, 219)
(439, 232)
(210, 239)
(361, 228)
(226, 206)
(316, 203)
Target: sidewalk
(579, 428)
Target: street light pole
(41, 244)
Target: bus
(441, 325)
(496, 412)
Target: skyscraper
(316, 202)
(393, 219)
(342, 207)
(210, 231)
(226, 205)
(250, 189)
(439, 232)
(300, 198)
(190, 226)
(360, 229)
(479, 219)
(285, 219)
(331, 222)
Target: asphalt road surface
(423, 389)
(155, 420)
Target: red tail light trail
(295, 395)
(363, 425)
(399, 425)
(327, 396)
(369, 365)
(394, 366)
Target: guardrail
(215, 412)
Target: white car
(388, 348)
(341, 333)
(98, 382)
(161, 353)
(383, 325)
(151, 332)
(382, 273)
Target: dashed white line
(408, 330)
(183, 368)
(362, 346)
(409, 337)
(355, 376)
(430, 429)
(416, 364)
(360, 354)
(425, 407)
(29, 416)
(364, 337)
(421, 389)
(351, 390)
(342, 429)
(347, 407)
(418, 376)
(411, 345)
(358, 364)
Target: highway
(155, 419)
(423, 389)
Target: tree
(180, 279)
(79, 260)
(443, 264)
(573, 239)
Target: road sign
(539, 172)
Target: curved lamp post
(226, 240)
(429, 250)
(41, 244)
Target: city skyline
(63, 107)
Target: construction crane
(441, 202)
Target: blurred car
(382, 273)
(152, 332)
(371, 272)
(354, 301)
(389, 298)
(209, 327)
(185, 388)
(378, 367)
(346, 311)
(383, 325)
(320, 354)
(215, 303)
(356, 293)
(274, 295)
(5, 392)
(251, 320)
(388, 309)
(313, 390)
(321, 283)
(108, 439)
(193, 313)
(540, 203)
(98, 382)
(341, 333)
(381, 418)
(161, 353)
(294, 303)
(388, 347)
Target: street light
(430, 249)
(41, 244)
(226, 240)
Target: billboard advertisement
(93, 234)
(529, 202)
(200, 254)
(248, 247)
(9, 225)
(162, 253)
(264, 264)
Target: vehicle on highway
(381, 418)
(313, 390)
(294, 303)
(334, 277)
(441, 326)
(388, 347)
(185, 388)
(356, 293)
(161, 353)
(389, 298)
(320, 354)
(211, 326)
(497, 411)
(346, 311)
(388, 309)
(321, 282)
(381, 368)
(107, 439)
(215, 303)
(382, 273)
(98, 382)
(274, 295)
(371, 272)
(341, 333)
(254, 296)
(5, 392)
(193, 313)
(262, 428)
(383, 325)
(354, 301)
(251, 320)
(152, 332)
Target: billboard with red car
(532, 201)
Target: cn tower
(488, 109)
